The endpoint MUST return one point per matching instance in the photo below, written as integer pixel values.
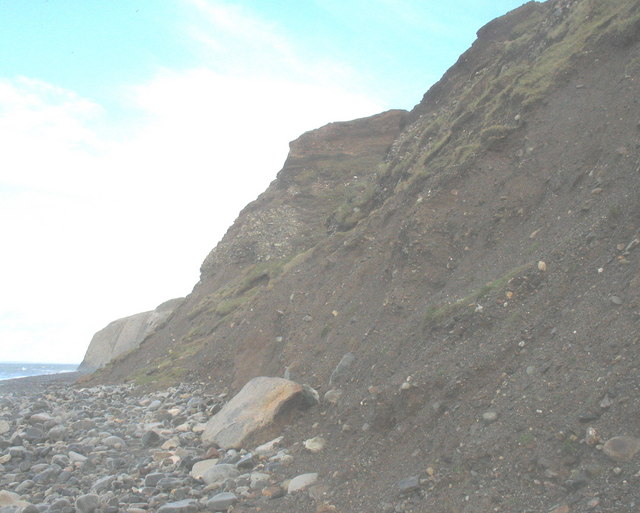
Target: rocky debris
(254, 408)
(111, 458)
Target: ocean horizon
(12, 370)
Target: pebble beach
(111, 449)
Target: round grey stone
(87, 503)
(220, 473)
(183, 506)
(222, 502)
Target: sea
(10, 370)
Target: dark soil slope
(478, 256)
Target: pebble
(489, 416)
(183, 506)
(200, 467)
(222, 501)
(219, 473)
(408, 484)
(301, 482)
(87, 503)
(315, 444)
(621, 448)
(332, 396)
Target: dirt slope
(482, 268)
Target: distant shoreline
(35, 384)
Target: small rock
(301, 482)
(318, 492)
(273, 492)
(57, 434)
(621, 448)
(489, 416)
(155, 405)
(592, 436)
(616, 300)
(222, 502)
(220, 473)
(114, 441)
(151, 439)
(34, 434)
(606, 402)
(5, 427)
(588, 417)
(75, 457)
(246, 462)
(332, 396)
(408, 484)
(103, 484)
(11, 499)
(542, 266)
(183, 506)
(152, 479)
(310, 396)
(315, 444)
(340, 372)
(87, 503)
(268, 447)
(259, 480)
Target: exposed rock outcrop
(126, 334)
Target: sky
(132, 133)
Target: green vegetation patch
(436, 313)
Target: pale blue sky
(125, 128)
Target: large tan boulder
(254, 409)
(126, 334)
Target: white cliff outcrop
(125, 334)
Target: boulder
(253, 409)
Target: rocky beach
(112, 448)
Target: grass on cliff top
(523, 71)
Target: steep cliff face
(484, 260)
(124, 335)
(324, 168)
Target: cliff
(478, 258)
(124, 335)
